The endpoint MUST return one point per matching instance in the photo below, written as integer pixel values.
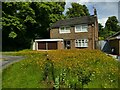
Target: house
(79, 32)
(72, 33)
(114, 42)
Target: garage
(42, 45)
(52, 45)
(48, 44)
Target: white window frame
(81, 43)
(64, 30)
(81, 28)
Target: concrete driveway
(7, 60)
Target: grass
(2, 59)
(64, 69)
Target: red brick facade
(91, 35)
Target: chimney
(95, 11)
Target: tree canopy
(111, 27)
(77, 10)
(24, 21)
(111, 24)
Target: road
(7, 60)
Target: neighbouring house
(114, 42)
(72, 33)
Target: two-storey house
(79, 32)
(72, 33)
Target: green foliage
(101, 32)
(12, 35)
(77, 10)
(63, 68)
(111, 27)
(111, 24)
(29, 20)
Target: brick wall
(91, 35)
(60, 45)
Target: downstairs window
(81, 43)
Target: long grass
(62, 69)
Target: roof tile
(74, 21)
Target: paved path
(7, 60)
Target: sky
(105, 8)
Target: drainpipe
(93, 40)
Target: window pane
(84, 28)
(78, 28)
(81, 43)
(62, 28)
(81, 28)
(86, 43)
(67, 28)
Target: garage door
(42, 45)
(52, 45)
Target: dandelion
(111, 80)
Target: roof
(114, 36)
(75, 21)
(40, 40)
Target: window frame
(81, 43)
(65, 30)
(81, 28)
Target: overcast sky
(105, 8)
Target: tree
(24, 21)
(77, 10)
(111, 25)
(101, 32)
(15, 16)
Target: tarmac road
(6, 60)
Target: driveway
(7, 60)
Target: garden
(62, 69)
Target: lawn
(62, 69)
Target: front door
(67, 44)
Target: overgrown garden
(62, 69)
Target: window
(81, 43)
(81, 28)
(64, 30)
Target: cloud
(102, 21)
(105, 8)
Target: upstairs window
(81, 43)
(81, 28)
(64, 30)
